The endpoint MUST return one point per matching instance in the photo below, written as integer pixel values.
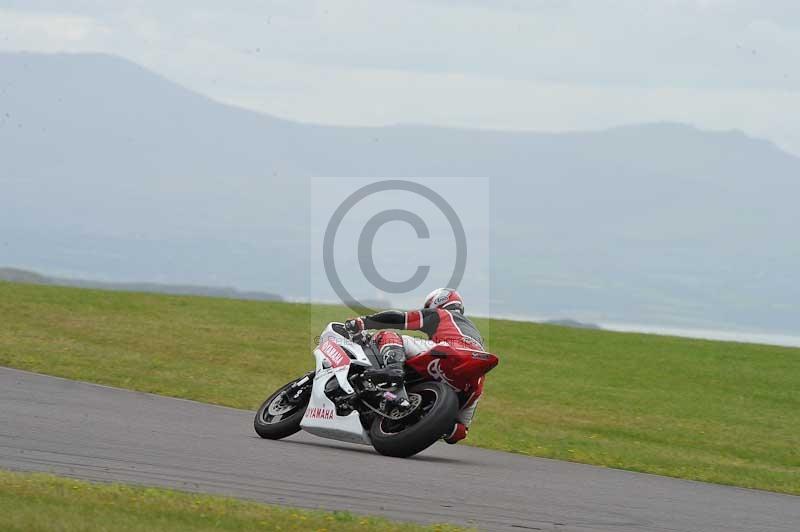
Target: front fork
(294, 394)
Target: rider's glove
(354, 326)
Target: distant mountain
(110, 171)
(572, 323)
(15, 275)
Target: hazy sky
(534, 64)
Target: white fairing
(320, 418)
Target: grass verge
(704, 410)
(31, 502)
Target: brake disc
(279, 406)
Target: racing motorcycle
(399, 413)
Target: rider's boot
(393, 356)
(464, 418)
(388, 379)
(459, 432)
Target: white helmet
(445, 298)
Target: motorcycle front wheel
(433, 419)
(278, 417)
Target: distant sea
(781, 339)
(708, 334)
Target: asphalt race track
(106, 434)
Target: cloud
(46, 31)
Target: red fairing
(461, 369)
(334, 354)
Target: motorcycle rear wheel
(276, 418)
(436, 416)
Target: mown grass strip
(33, 502)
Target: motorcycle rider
(442, 319)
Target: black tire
(439, 410)
(288, 423)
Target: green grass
(713, 411)
(37, 502)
